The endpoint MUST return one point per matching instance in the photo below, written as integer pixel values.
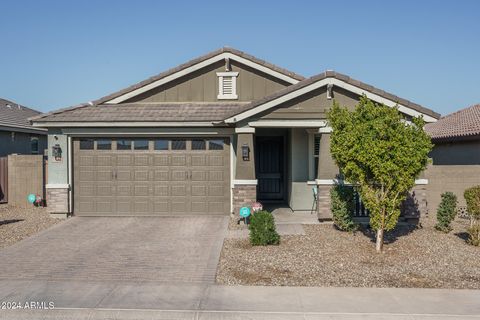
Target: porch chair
(315, 193)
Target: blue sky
(60, 53)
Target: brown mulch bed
(19, 223)
(412, 257)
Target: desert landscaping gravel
(19, 223)
(324, 256)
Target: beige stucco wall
(202, 86)
(327, 169)
(300, 193)
(455, 167)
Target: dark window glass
(104, 144)
(140, 144)
(124, 144)
(315, 168)
(34, 145)
(86, 144)
(216, 144)
(179, 145)
(199, 145)
(161, 144)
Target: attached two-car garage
(151, 176)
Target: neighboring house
(206, 137)
(16, 133)
(456, 155)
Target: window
(140, 144)
(124, 144)
(216, 144)
(161, 144)
(227, 85)
(34, 145)
(316, 154)
(199, 145)
(104, 144)
(179, 145)
(86, 144)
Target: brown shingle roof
(14, 115)
(138, 112)
(347, 79)
(459, 125)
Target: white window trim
(222, 96)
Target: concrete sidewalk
(107, 300)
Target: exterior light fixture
(245, 152)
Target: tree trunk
(379, 243)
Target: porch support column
(245, 183)
(327, 172)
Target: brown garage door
(151, 176)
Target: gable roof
(460, 125)
(337, 79)
(181, 70)
(196, 64)
(15, 116)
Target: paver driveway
(164, 249)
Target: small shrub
(262, 229)
(342, 206)
(474, 234)
(472, 197)
(446, 212)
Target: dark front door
(270, 168)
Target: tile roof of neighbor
(459, 125)
(14, 115)
(347, 79)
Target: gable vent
(227, 85)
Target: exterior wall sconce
(245, 152)
(57, 152)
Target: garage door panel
(105, 205)
(141, 160)
(198, 175)
(199, 160)
(179, 160)
(141, 190)
(141, 175)
(179, 206)
(146, 182)
(162, 190)
(215, 175)
(199, 206)
(124, 190)
(178, 190)
(161, 160)
(104, 175)
(106, 190)
(161, 175)
(216, 160)
(199, 190)
(124, 175)
(86, 175)
(179, 175)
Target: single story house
(17, 135)
(456, 156)
(208, 136)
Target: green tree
(382, 153)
